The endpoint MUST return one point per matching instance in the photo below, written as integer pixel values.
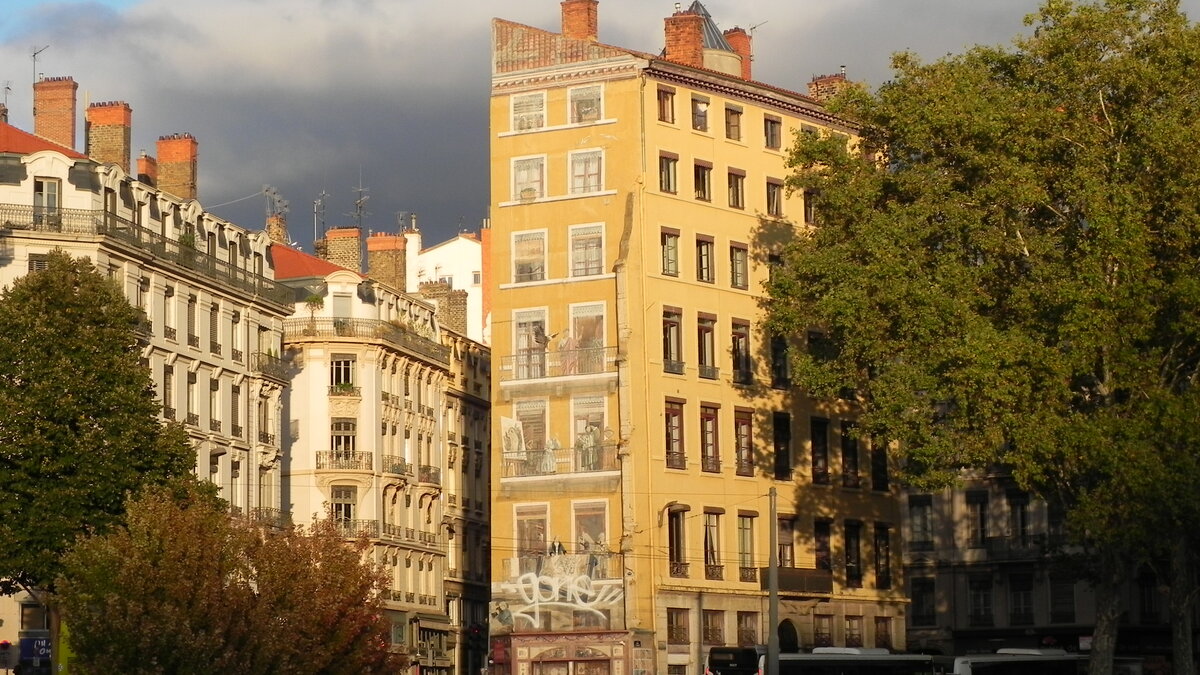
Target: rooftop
(20, 142)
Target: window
(585, 104)
(529, 256)
(342, 435)
(670, 252)
(214, 404)
(676, 549)
(591, 523)
(774, 198)
(782, 430)
(341, 370)
(38, 262)
(235, 405)
(531, 414)
(733, 123)
(714, 627)
(712, 546)
(822, 546)
(810, 207)
(823, 630)
(979, 601)
(739, 348)
(710, 457)
(787, 542)
(977, 520)
(666, 105)
(854, 637)
(193, 338)
(781, 370)
(699, 113)
(850, 476)
(1020, 599)
(531, 342)
(532, 523)
(677, 626)
(528, 111)
(587, 171)
(853, 542)
(34, 617)
(214, 329)
(747, 623)
(673, 426)
(819, 430)
(342, 500)
(739, 266)
(737, 189)
(1062, 600)
(702, 180)
(46, 201)
(883, 632)
(706, 349)
(883, 557)
(772, 132)
(672, 340)
(704, 259)
(476, 277)
(587, 250)
(924, 602)
(667, 181)
(583, 348)
(168, 392)
(529, 178)
(743, 442)
(746, 542)
(920, 519)
(1018, 517)
(880, 480)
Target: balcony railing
(236, 355)
(352, 461)
(215, 348)
(555, 461)
(194, 341)
(352, 529)
(743, 376)
(713, 635)
(710, 464)
(748, 574)
(709, 372)
(747, 637)
(677, 635)
(237, 431)
(266, 438)
(413, 536)
(344, 390)
(800, 580)
(270, 366)
(536, 364)
(429, 474)
(168, 413)
(369, 329)
(193, 419)
(673, 367)
(396, 464)
(214, 425)
(277, 518)
(745, 466)
(714, 572)
(170, 332)
(676, 460)
(679, 569)
(99, 222)
(1021, 547)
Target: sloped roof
(713, 38)
(291, 263)
(20, 142)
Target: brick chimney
(277, 228)
(451, 304)
(54, 109)
(147, 169)
(344, 247)
(386, 259)
(685, 41)
(3, 113)
(824, 87)
(739, 39)
(107, 128)
(579, 19)
(177, 154)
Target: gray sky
(307, 95)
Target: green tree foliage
(1006, 270)
(79, 425)
(183, 588)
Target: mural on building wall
(556, 590)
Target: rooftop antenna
(401, 217)
(319, 214)
(276, 204)
(755, 26)
(7, 91)
(37, 51)
(360, 203)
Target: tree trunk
(1108, 614)
(1182, 599)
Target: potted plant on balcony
(343, 389)
(314, 303)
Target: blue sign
(35, 648)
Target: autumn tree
(79, 426)
(1004, 270)
(183, 588)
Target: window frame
(540, 114)
(668, 173)
(669, 247)
(536, 272)
(699, 109)
(706, 263)
(710, 446)
(673, 340)
(706, 346)
(702, 180)
(774, 197)
(736, 188)
(733, 122)
(586, 260)
(587, 181)
(772, 132)
(666, 104)
(538, 187)
(743, 441)
(673, 443)
(739, 266)
(573, 114)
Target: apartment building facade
(387, 436)
(642, 412)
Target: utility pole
(773, 589)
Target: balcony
(743, 376)
(554, 365)
(236, 355)
(710, 464)
(679, 570)
(193, 419)
(673, 367)
(395, 335)
(409, 535)
(237, 431)
(266, 438)
(170, 333)
(395, 464)
(345, 389)
(714, 572)
(676, 460)
(194, 341)
(274, 518)
(748, 574)
(102, 223)
(709, 372)
(429, 474)
(713, 635)
(168, 413)
(353, 529)
(677, 635)
(800, 580)
(348, 461)
(214, 426)
(557, 461)
(747, 637)
(745, 466)
(214, 348)
(269, 365)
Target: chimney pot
(54, 109)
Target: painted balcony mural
(559, 591)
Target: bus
(824, 661)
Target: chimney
(386, 260)
(147, 169)
(824, 87)
(107, 128)
(177, 155)
(277, 229)
(3, 113)
(451, 304)
(344, 248)
(739, 39)
(685, 43)
(54, 109)
(579, 19)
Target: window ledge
(556, 281)
(557, 198)
(557, 127)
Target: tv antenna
(37, 51)
(360, 204)
(276, 204)
(319, 214)
(7, 91)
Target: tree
(80, 427)
(1004, 270)
(183, 588)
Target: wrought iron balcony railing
(709, 372)
(556, 461)
(679, 569)
(295, 330)
(676, 460)
(396, 464)
(710, 464)
(351, 461)
(714, 572)
(745, 466)
(352, 529)
(673, 367)
(538, 364)
(344, 390)
(748, 574)
(269, 365)
(429, 474)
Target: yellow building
(641, 414)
